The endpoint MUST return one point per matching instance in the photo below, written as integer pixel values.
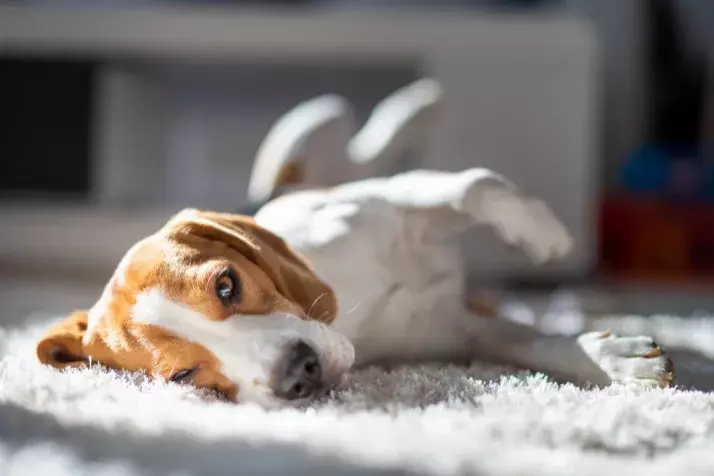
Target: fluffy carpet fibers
(431, 419)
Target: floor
(422, 419)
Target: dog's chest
(390, 282)
(393, 306)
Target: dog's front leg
(453, 202)
(599, 358)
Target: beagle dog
(276, 308)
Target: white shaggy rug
(421, 419)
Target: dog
(276, 308)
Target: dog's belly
(398, 293)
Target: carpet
(421, 419)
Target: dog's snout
(300, 376)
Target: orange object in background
(652, 240)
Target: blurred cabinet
(183, 97)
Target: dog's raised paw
(524, 222)
(629, 359)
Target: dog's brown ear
(291, 273)
(62, 345)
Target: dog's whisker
(353, 309)
(309, 311)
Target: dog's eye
(227, 288)
(182, 375)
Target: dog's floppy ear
(62, 345)
(292, 275)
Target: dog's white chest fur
(383, 245)
(391, 281)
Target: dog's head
(216, 301)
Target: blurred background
(116, 113)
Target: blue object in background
(679, 172)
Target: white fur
(249, 347)
(317, 134)
(437, 420)
(318, 129)
(399, 122)
(382, 244)
(621, 358)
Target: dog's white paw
(526, 223)
(629, 359)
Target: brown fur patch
(289, 175)
(482, 307)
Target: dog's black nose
(300, 374)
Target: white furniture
(520, 98)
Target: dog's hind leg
(314, 144)
(305, 147)
(398, 128)
(598, 358)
